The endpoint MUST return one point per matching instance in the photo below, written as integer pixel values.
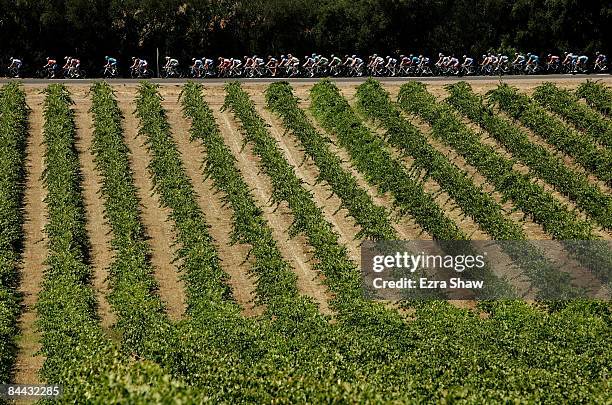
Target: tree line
(90, 29)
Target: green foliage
(531, 198)
(374, 101)
(13, 134)
(370, 155)
(517, 353)
(566, 104)
(276, 282)
(141, 319)
(373, 220)
(556, 132)
(546, 165)
(77, 354)
(206, 282)
(597, 95)
(341, 275)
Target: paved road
(312, 80)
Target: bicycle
(292, 71)
(46, 73)
(138, 73)
(532, 68)
(171, 72)
(196, 72)
(600, 68)
(466, 70)
(553, 67)
(234, 71)
(13, 72)
(73, 73)
(110, 72)
(518, 68)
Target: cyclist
(356, 65)
(423, 62)
(255, 65)
(196, 67)
(111, 66)
(282, 63)
(502, 63)
(235, 66)
(466, 66)
(493, 60)
(67, 68)
(309, 61)
(309, 65)
(321, 64)
(532, 63)
(293, 61)
(71, 67)
(293, 65)
(405, 62)
(453, 62)
(208, 65)
(440, 61)
(171, 66)
(334, 65)
(581, 63)
(15, 66)
(249, 63)
(143, 65)
(223, 65)
(259, 63)
(600, 62)
(552, 62)
(391, 65)
(377, 64)
(519, 60)
(272, 65)
(51, 67)
(369, 66)
(135, 64)
(110, 62)
(485, 64)
(569, 61)
(139, 66)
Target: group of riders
(315, 65)
(71, 68)
(492, 64)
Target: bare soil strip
(219, 217)
(155, 219)
(441, 197)
(532, 229)
(567, 160)
(405, 227)
(28, 363)
(307, 171)
(295, 251)
(520, 167)
(97, 227)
